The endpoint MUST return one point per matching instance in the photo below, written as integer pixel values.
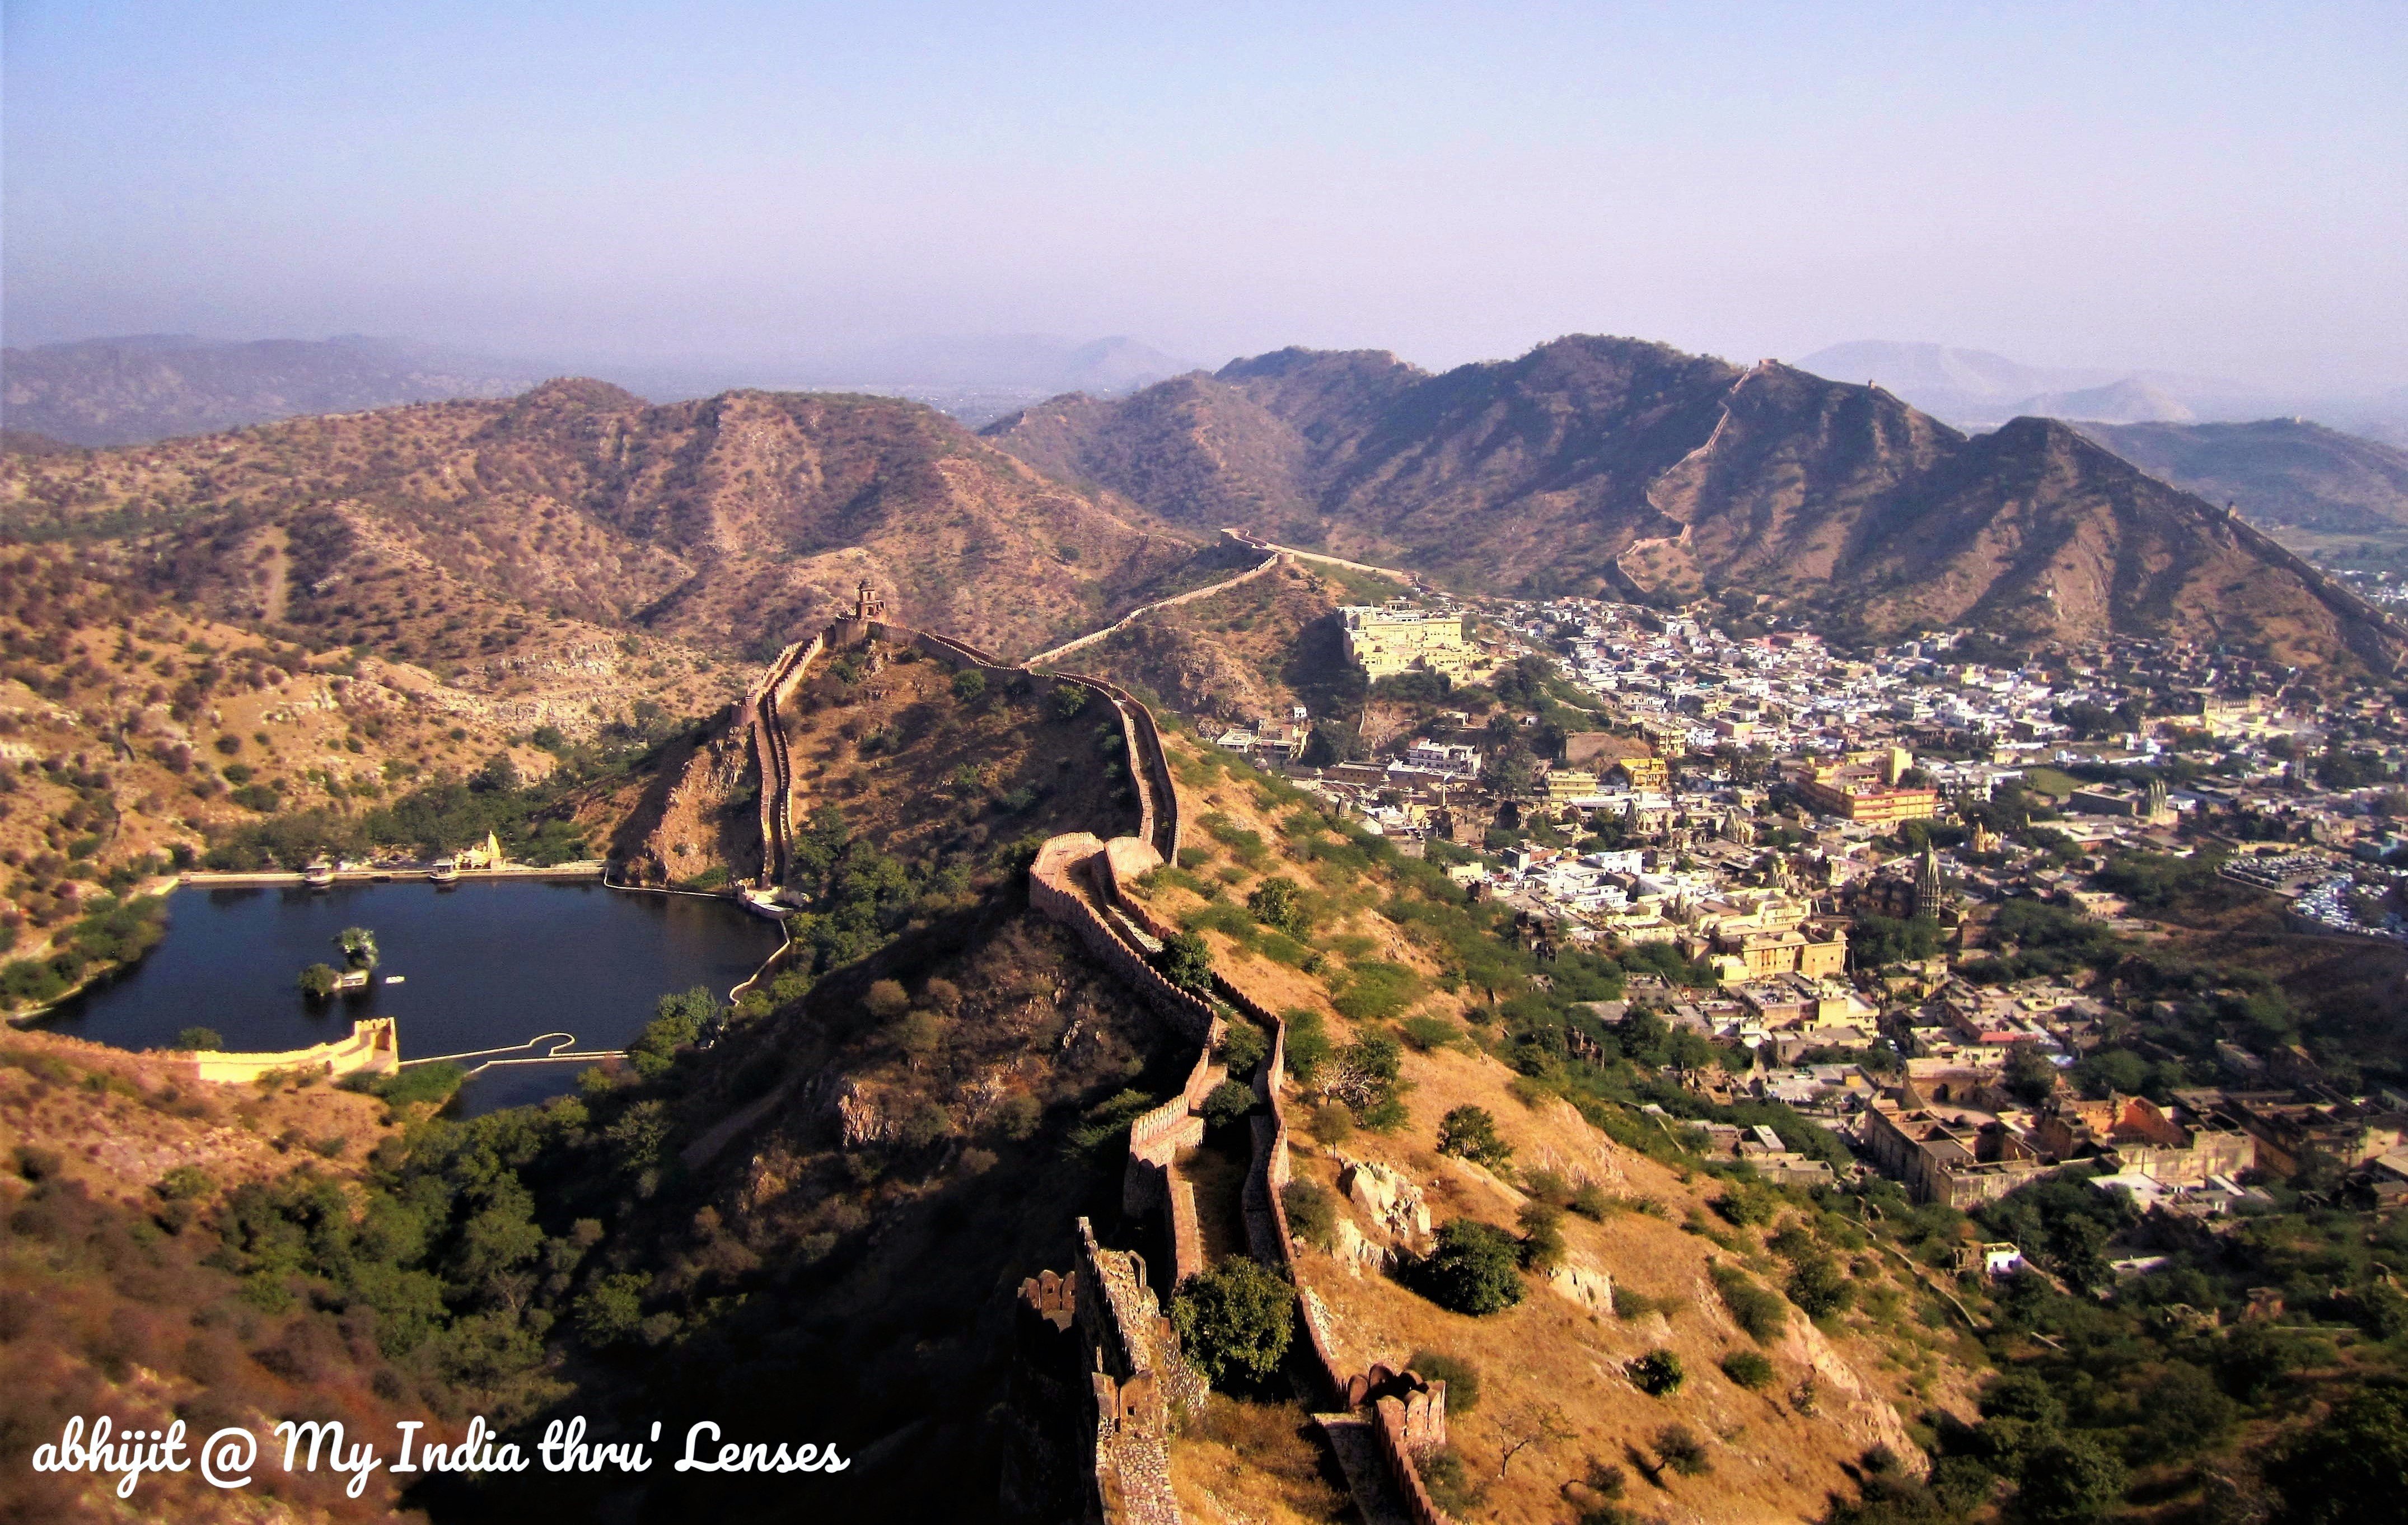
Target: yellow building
(1864, 786)
(1648, 775)
(1392, 638)
(1566, 785)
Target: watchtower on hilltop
(866, 604)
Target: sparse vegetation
(1657, 1374)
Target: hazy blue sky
(2215, 188)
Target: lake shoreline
(490, 959)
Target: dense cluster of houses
(1743, 801)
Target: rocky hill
(728, 522)
(133, 390)
(1593, 464)
(2278, 471)
(253, 645)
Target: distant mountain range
(2278, 471)
(1612, 465)
(1974, 389)
(1589, 464)
(140, 388)
(150, 386)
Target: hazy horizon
(2216, 191)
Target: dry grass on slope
(1553, 1363)
(113, 1300)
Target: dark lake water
(484, 965)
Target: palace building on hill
(1391, 638)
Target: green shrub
(1461, 1377)
(1471, 1133)
(1657, 1374)
(1242, 1047)
(1226, 1103)
(207, 1040)
(1311, 1212)
(1235, 1321)
(1016, 1115)
(1549, 1186)
(1186, 960)
(1280, 948)
(1428, 1032)
(1222, 918)
(2075, 1479)
(1308, 1043)
(1474, 1268)
(1749, 1369)
(1819, 1288)
(318, 981)
(1542, 1236)
(1248, 847)
(1748, 1204)
(1108, 1121)
(1755, 1309)
(1679, 1449)
(1332, 1124)
(1279, 904)
(183, 1184)
(433, 1083)
(1376, 990)
(969, 684)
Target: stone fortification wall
(1073, 880)
(763, 719)
(1055, 890)
(1153, 1179)
(373, 1047)
(1403, 1434)
(1136, 1377)
(1172, 602)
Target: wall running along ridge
(1144, 609)
(1077, 881)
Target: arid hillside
(1383, 951)
(730, 523)
(888, 748)
(124, 1187)
(2279, 471)
(1607, 464)
(1248, 652)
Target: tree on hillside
(1279, 904)
(1470, 1132)
(1475, 1268)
